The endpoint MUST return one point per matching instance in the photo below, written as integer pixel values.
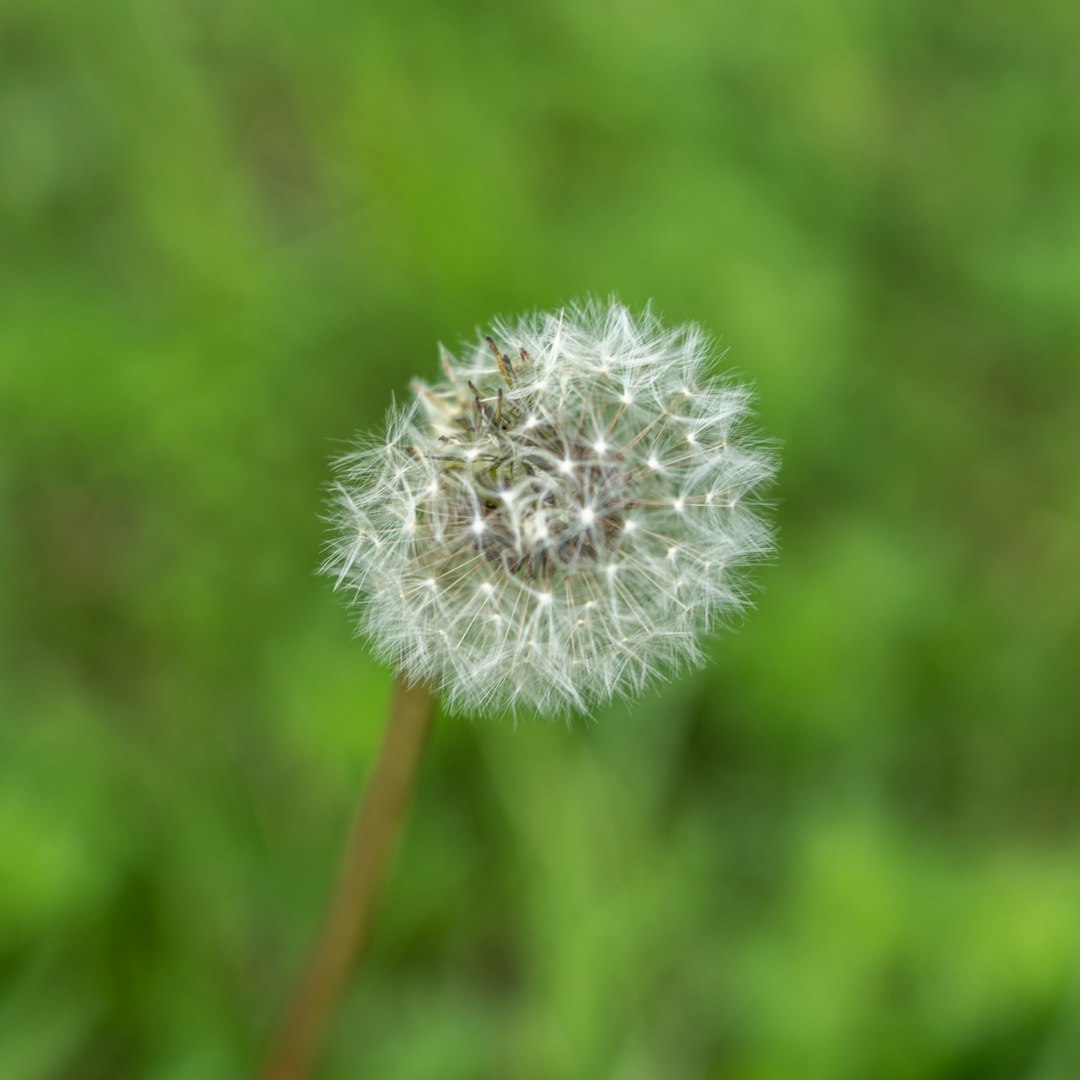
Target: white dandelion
(561, 519)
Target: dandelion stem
(347, 924)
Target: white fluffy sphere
(560, 519)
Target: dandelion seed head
(561, 519)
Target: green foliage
(850, 847)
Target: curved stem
(347, 923)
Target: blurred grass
(851, 846)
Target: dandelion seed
(544, 569)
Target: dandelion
(561, 519)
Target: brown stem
(347, 924)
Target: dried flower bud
(560, 519)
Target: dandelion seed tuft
(561, 519)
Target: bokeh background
(850, 847)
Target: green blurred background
(850, 847)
